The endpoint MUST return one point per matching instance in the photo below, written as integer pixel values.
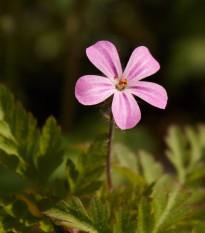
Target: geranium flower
(93, 89)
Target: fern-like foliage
(18, 137)
(186, 151)
(144, 199)
(84, 177)
(50, 151)
(199, 229)
(24, 150)
(73, 214)
(164, 211)
(95, 220)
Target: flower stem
(108, 167)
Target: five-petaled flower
(93, 89)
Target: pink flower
(93, 89)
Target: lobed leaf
(131, 176)
(71, 214)
(150, 169)
(50, 153)
(185, 151)
(84, 177)
(123, 222)
(145, 219)
(177, 152)
(199, 229)
(100, 215)
(18, 137)
(170, 207)
(124, 156)
(15, 215)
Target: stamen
(122, 84)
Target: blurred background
(42, 54)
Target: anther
(122, 84)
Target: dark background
(42, 54)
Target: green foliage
(95, 220)
(124, 198)
(164, 211)
(170, 208)
(145, 218)
(15, 215)
(84, 177)
(20, 213)
(73, 214)
(177, 152)
(23, 149)
(134, 178)
(18, 137)
(199, 229)
(124, 157)
(123, 222)
(150, 169)
(100, 215)
(50, 153)
(144, 198)
(186, 151)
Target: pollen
(122, 84)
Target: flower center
(122, 84)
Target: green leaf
(151, 170)
(201, 130)
(199, 229)
(128, 196)
(185, 151)
(170, 207)
(20, 143)
(71, 214)
(15, 215)
(179, 230)
(18, 137)
(124, 223)
(131, 176)
(5, 130)
(145, 219)
(95, 220)
(88, 189)
(72, 175)
(163, 182)
(177, 152)
(84, 177)
(92, 163)
(50, 153)
(45, 226)
(58, 188)
(124, 156)
(100, 216)
(195, 145)
(160, 203)
(166, 210)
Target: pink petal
(150, 92)
(92, 89)
(125, 110)
(105, 57)
(141, 64)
